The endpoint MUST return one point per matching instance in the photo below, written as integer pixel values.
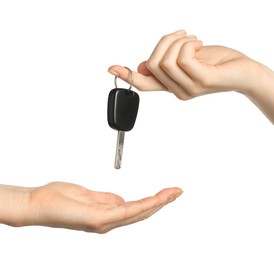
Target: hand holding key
(123, 107)
(181, 65)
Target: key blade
(119, 149)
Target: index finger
(141, 82)
(134, 211)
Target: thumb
(142, 68)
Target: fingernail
(179, 193)
(191, 36)
(180, 32)
(113, 72)
(172, 198)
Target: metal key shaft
(119, 149)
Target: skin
(181, 65)
(66, 205)
(70, 206)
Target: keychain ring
(131, 79)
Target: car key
(122, 112)
(123, 107)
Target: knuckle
(199, 89)
(167, 37)
(206, 82)
(182, 62)
(194, 92)
(166, 64)
(151, 64)
(171, 36)
(183, 96)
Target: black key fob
(122, 109)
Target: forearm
(14, 203)
(263, 94)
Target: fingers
(132, 212)
(145, 80)
(164, 59)
(188, 61)
(172, 66)
(103, 198)
(141, 82)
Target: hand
(181, 65)
(71, 206)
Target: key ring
(131, 79)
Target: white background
(54, 84)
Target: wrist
(261, 81)
(261, 92)
(14, 204)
